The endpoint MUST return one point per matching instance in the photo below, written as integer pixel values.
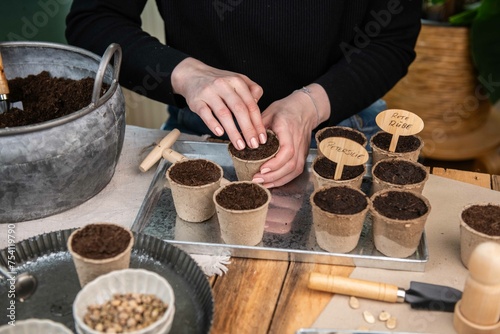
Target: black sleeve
(147, 64)
(375, 58)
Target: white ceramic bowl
(102, 289)
(31, 326)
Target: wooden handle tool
(356, 287)
(419, 295)
(163, 150)
(4, 86)
(155, 155)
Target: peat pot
(53, 166)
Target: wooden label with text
(399, 122)
(343, 151)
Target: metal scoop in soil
(5, 102)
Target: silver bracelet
(308, 92)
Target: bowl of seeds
(133, 301)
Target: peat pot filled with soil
(399, 173)
(340, 131)
(323, 171)
(99, 248)
(338, 215)
(399, 218)
(242, 208)
(193, 183)
(479, 222)
(408, 147)
(59, 163)
(247, 162)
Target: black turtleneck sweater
(356, 49)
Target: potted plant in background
(454, 82)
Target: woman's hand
(216, 95)
(292, 119)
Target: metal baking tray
(289, 232)
(46, 256)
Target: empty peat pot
(338, 214)
(399, 173)
(399, 218)
(479, 222)
(408, 147)
(56, 165)
(247, 162)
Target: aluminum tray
(289, 233)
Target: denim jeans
(188, 122)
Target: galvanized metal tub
(56, 165)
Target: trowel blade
(6, 105)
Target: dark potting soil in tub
(483, 218)
(45, 98)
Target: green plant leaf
(485, 47)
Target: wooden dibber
(478, 312)
(163, 150)
(399, 122)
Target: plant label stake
(343, 151)
(399, 122)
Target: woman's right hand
(216, 95)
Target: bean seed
(384, 316)
(369, 318)
(391, 323)
(354, 302)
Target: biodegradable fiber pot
(98, 249)
(399, 218)
(399, 173)
(408, 147)
(479, 222)
(53, 166)
(242, 211)
(248, 161)
(323, 171)
(338, 214)
(193, 183)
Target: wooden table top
(266, 296)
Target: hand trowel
(419, 295)
(5, 102)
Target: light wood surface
(265, 296)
